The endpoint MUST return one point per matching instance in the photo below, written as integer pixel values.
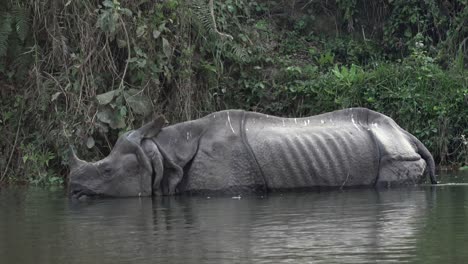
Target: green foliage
(5, 30)
(326, 59)
(114, 106)
(14, 30)
(36, 162)
(348, 10)
(348, 77)
(348, 51)
(110, 17)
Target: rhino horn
(75, 162)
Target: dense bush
(82, 72)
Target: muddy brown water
(423, 224)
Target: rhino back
(333, 149)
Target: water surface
(417, 225)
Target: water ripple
(425, 225)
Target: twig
(128, 55)
(308, 3)
(61, 88)
(13, 149)
(211, 5)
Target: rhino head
(126, 171)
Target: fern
(239, 53)
(5, 30)
(14, 30)
(203, 16)
(21, 22)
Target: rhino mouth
(83, 194)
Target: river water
(417, 225)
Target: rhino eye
(107, 170)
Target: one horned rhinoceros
(235, 151)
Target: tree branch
(211, 5)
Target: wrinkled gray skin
(235, 151)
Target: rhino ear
(149, 130)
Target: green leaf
(139, 103)
(141, 63)
(167, 49)
(5, 30)
(105, 116)
(106, 98)
(408, 33)
(111, 117)
(55, 96)
(123, 111)
(121, 43)
(141, 30)
(21, 22)
(117, 123)
(108, 3)
(156, 34)
(126, 11)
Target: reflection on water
(424, 224)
